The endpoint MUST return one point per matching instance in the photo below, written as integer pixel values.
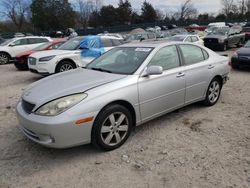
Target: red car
(21, 62)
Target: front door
(159, 94)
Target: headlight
(221, 40)
(60, 105)
(46, 58)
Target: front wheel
(213, 92)
(112, 127)
(65, 66)
(4, 58)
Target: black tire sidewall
(5, 54)
(207, 102)
(58, 67)
(96, 130)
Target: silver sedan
(127, 86)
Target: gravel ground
(194, 147)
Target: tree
(52, 15)
(108, 16)
(227, 6)
(124, 12)
(15, 10)
(148, 12)
(85, 9)
(187, 10)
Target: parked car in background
(11, 47)
(187, 38)
(66, 57)
(195, 27)
(141, 37)
(246, 30)
(224, 37)
(241, 57)
(125, 87)
(177, 31)
(21, 60)
(214, 25)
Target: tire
(4, 58)
(240, 43)
(213, 92)
(224, 47)
(107, 133)
(235, 66)
(65, 66)
(21, 66)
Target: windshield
(7, 42)
(42, 46)
(177, 38)
(72, 44)
(121, 60)
(220, 31)
(247, 45)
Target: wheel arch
(6, 53)
(125, 104)
(65, 59)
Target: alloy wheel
(66, 67)
(114, 129)
(214, 91)
(3, 59)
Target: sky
(209, 6)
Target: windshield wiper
(101, 69)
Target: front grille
(32, 60)
(27, 107)
(30, 133)
(208, 40)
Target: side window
(194, 39)
(205, 54)
(188, 39)
(167, 58)
(192, 54)
(41, 40)
(20, 42)
(107, 43)
(55, 46)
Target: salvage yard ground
(195, 146)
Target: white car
(11, 47)
(68, 56)
(187, 38)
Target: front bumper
(43, 68)
(240, 61)
(55, 132)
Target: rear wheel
(112, 127)
(4, 58)
(213, 92)
(65, 66)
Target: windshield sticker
(143, 49)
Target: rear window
(192, 54)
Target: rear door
(161, 93)
(198, 71)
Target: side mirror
(153, 70)
(11, 45)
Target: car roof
(185, 35)
(151, 44)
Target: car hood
(41, 54)
(215, 37)
(67, 83)
(244, 51)
(26, 53)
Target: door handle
(210, 66)
(180, 74)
